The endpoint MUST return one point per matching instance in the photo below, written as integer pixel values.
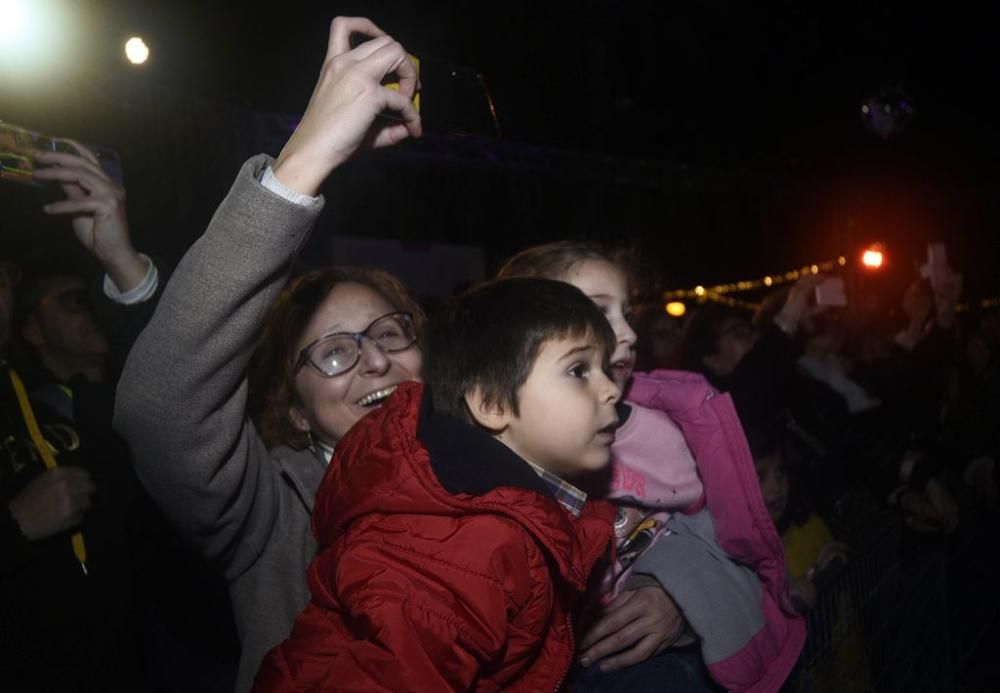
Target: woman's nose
(373, 359)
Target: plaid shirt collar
(568, 495)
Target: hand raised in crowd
(831, 551)
(918, 305)
(96, 205)
(944, 505)
(803, 593)
(347, 106)
(638, 624)
(934, 510)
(53, 502)
(946, 295)
(799, 304)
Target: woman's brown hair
(272, 366)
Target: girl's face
(773, 484)
(329, 406)
(606, 286)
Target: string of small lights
(719, 293)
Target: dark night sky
(772, 89)
(702, 80)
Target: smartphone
(19, 146)
(356, 40)
(831, 292)
(451, 99)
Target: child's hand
(831, 551)
(803, 593)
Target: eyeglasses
(336, 353)
(70, 300)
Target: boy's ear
(489, 415)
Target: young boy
(453, 548)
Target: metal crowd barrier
(907, 614)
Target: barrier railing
(906, 614)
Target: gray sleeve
(181, 402)
(720, 598)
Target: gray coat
(181, 406)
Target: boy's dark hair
(489, 337)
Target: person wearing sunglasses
(234, 450)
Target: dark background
(726, 138)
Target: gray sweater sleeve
(720, 598)
(181, 401)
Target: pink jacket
(743, 526)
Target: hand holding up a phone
(344, 112)
(831, 292)
(96, 205)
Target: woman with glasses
(311, 377)
(330, 348)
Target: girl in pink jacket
(691, 516)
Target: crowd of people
(231, 474)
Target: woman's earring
(312, 442)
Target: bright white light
(35, 41)
(136, 50)
(13, 20)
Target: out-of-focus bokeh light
(17, 26)
(37, 46)
(873, 258)
(13, 19)
(136, 50)
(699, 290)
(887, 113)
(676, 309)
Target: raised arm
(182, 397)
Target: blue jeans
(678, 670)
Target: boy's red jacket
(444, 564)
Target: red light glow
(872, 259)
